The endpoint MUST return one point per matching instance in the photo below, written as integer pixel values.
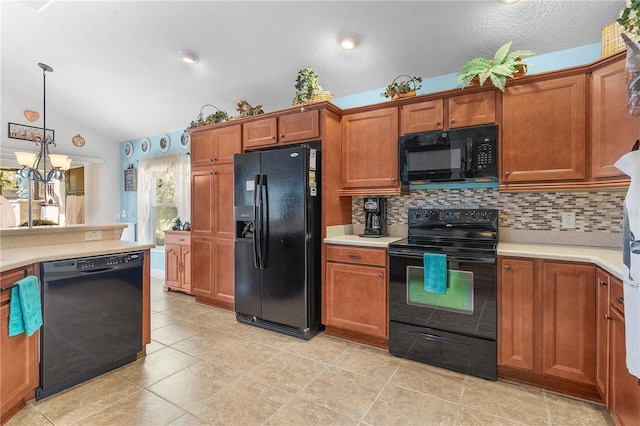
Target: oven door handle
(420, 255)
(434, 337)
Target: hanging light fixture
(34, 166)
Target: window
(163, 207)
(163, 194)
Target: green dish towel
(25, 309)
(435, 272)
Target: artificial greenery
(629, 17)
(306, 86)
(503, 65)
(245, 109)
(217, 117)
(396, 88)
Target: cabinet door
(370, 150)
(516, 320)
(543, 131)
(624, 398)
(172, 258)
(613, 130)
(203, 192)
(568, 321)
(223, 286)
(472, 110)
(357, 298)
(260, 133)
(421, 117)
(298, 127)
(222, 206)
(19, 357)
(202, 272)
(602, 333)
(185, 255)
(215, 146)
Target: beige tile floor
(203, 367)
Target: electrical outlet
(568, 220)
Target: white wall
(100, 156)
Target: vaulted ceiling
(116, 64)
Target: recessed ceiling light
(508, 1)
(348, 41)
(188, 56)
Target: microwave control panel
(485, 154)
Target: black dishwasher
(92, 318)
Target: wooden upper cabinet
(288, 128)
(370, 153)
(472, 109)
(465, 110)
(543, 131)
(422, 117)
(215, 146)
(613, 130)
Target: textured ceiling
(117, 61)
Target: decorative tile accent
(595, 211)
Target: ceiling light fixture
(33, 163)
(348, 41)
(188, 56)
(508, 1)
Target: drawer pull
(620, 300)
(353, 256)
(602, 283)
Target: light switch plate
(568, 220)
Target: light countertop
(608, 259)
(18, 257)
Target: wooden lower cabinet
(546, 324)
(212, 271)
(177, 249)
(624, 389)
(603, 318)
(19, 355)
(355, 294)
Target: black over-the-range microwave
(465, 154)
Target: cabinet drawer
(617, 294)
(183, 238)
(357, 255)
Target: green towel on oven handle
(25, 309)
(435, 272)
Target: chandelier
(34, 166)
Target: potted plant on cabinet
(402, 89)
(308, 88)
(504, 64)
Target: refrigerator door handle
(257, 234)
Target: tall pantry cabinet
(212, 213)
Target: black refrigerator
(277, 239)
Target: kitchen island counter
(18, 257)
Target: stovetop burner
(451, 231)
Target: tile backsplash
(597, 212)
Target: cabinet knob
(273, 137)
(380, 274)
(212, 159)
(507, 267)
(438, 123)
(281, 136)
(602, 283)
(607, 317)
(453, 120)
(507, 174)
(393, 179)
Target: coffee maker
(375, 217)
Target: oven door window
(457, 298)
